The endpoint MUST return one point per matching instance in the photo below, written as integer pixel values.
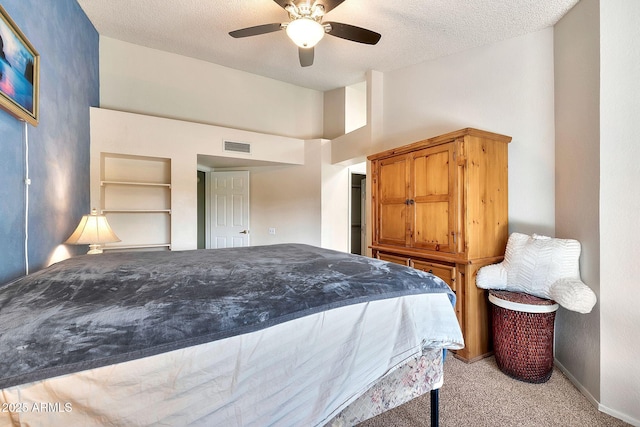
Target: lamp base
(94, 249)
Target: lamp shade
(93, 230)
(305, 32)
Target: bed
(267, 335)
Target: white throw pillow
(573, 295)
(537, 265)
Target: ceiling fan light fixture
(305, 32)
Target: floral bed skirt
(408, 381)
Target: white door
(228, 209)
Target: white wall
(345, 110)
(148, 81)
(620, 206)
(304, 198)
(334, 113)
(275, 196)
(506, 88)
(597, 64)
(287, 198)
(577, 82)
(336, 186)
(354, 146)
(355, 106)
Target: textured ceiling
(413, 31)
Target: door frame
(363, 210)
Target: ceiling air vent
(237, 147)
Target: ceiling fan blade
(306, 56)
(255, 31)
(283, 3)
(353, 33)
(330, 4)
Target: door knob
(244, 232)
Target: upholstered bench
(523, 335)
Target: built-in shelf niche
(135, 195)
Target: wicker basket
(523, 335)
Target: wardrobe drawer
(396, 259)
(443, 271)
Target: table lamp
(93, 230)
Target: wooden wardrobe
(441, 205)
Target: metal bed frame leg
(435, 410)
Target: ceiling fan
(305, 27)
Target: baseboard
(577, 384)
(618, 415)
(593, 400)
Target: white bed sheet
(299, 373)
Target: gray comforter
(92, 311)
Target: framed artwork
(19, 72)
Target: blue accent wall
(68, 45)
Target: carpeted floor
(479, 394)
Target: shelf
(104, 211)
(148, 246)
(135, 194)
(136, 184)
